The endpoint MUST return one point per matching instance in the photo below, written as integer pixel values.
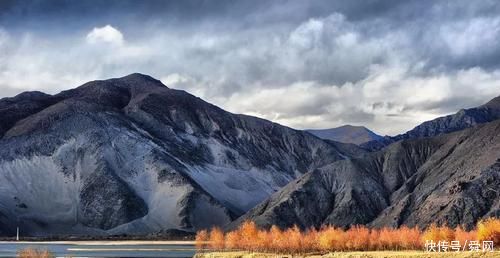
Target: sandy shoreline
(103, 242)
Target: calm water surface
(9, 249)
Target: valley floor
(369, 254)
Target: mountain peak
(27, 95)
(352, 127)
(116, 92)
(462, 119)
(139, 77)
(494, 103)
(134, 83)
(132, 153)
(347, 134)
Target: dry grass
(34, 253)
(370, 254)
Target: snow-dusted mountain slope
(130, 155)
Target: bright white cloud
(466, 37)
(107, 34)
(390, 101)
(3, 38)
(175, 79)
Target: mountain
(464, 118)
(448, 179)
(130, 155)
(347, 134)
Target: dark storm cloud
(194, 10)
(420, 22)
(335, 62)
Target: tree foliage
(329, 238)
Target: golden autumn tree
(311, 241)
(387, 239)
(34, 253)
(446, 234)
(233, 240)
(464, 236)
(432, 233)
(248, 233)
(262, 241)
(328, 238)
(409, 238)
(294, 239)
(357, 238)
(201, 239)
(374, 243)
(489, 230)
(276, 237)
(437, 234)
(216, 239)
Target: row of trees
(358, 238)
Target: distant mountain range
(464, 118)
(132, 156)
(347, 134)
(444, 171)
(451, 179)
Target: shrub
(34, 253)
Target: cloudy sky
(388, 65)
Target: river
(104, 248)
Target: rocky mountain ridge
(465, 118)
(129, 155)
(132, 156)
(448, 179)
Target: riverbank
(102, 248)
(372, 254)
(164, 235)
